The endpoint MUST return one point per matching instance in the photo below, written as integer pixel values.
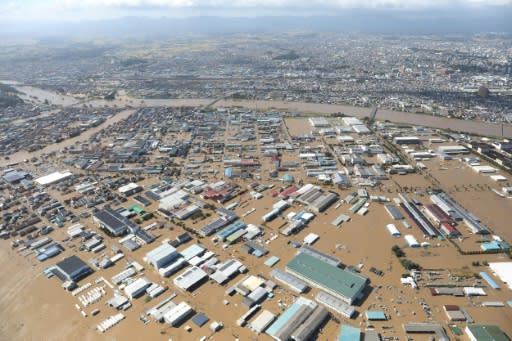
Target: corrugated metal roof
(349, 333)
(327, 276)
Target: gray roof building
(72, 269)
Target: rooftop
(487, 333)
(329, 277)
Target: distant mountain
(465, 21)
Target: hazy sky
(100, 9)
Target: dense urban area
(466, 77)
(160, 188)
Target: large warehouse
(72, 269)
(477, 332)
(162, 256)
(346, 286)
(113, 222)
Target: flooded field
(30, 93)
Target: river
(474, 127)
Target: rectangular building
(190, 278)
(344, 285)
(113, 222)
(72, 269)
(161, 256)
(481, 332)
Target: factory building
(319, 122)
(451, 150)
(190, 278)
(344, 285)
(299, 322)
(178, 314)
(411, 241)
(406, 140)
(161, 256)
(335, 304)
(479, 332)
(113, 222)
(130, 189)
(137, 288)
(71, 269)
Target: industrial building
(53, 178)
(351, 121)
(393, 230)
(503, 270)
(14, 176)
(71, 269)
(262, 321)
(335, 304)
(137, 288)
(113, 222)
(319, 122)
(342, 284)
(376, 315)
(175, 265)
(192, 251)
(295, 284)
(411, 241)
(451, 150)
(315, 198)
(190, 278)
(130, 189)
(299, 322)
(458, 213)
(227, 270)
(349, 333)
(161, 256)
(437, 215)
(426, 328)
(481, 332)
(324, 257)
(419, 219)
(406, 140)
(178, 314)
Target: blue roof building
(349, 333)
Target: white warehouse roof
(503, 270)
(411, 241)
(53, 177)
(190, 277)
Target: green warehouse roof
(487, 333)
(328, 277)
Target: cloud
(97, 9)
(274, 3)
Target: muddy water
(32, 94)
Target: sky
(78, 10)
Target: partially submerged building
(346, 286)
(72, 269)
